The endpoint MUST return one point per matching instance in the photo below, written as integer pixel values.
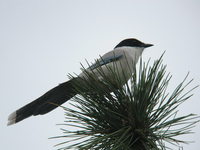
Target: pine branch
(140, 115)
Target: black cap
(133, 43)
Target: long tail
(46, 103)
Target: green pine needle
(141, 115)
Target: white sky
(41, 41)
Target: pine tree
(141, 115)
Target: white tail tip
(12, 118)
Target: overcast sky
(41, 41)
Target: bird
(126, 52)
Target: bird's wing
(105, 60)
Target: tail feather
(44, 104)
(12, 118)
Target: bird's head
(133, 43)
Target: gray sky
(41, 41)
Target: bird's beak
(148, 45)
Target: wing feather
(105, 60)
